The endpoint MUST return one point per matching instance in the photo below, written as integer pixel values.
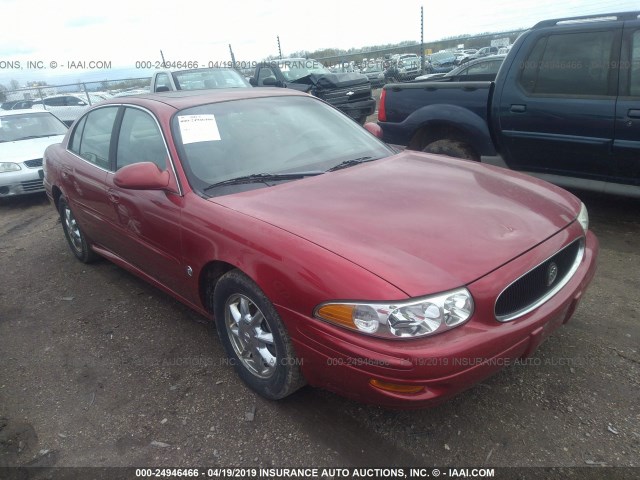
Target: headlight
(9, 167)
(583, 218)
(406, 319)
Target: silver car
(24, 135)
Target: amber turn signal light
(395, 387)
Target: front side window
(54, 102)
(93, 144)
(265, 73)
(140, 140)
(577, 64)
(484, 68)
(162, 81)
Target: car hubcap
(72, 229)
(250, 336)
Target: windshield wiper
(352, 162)
(264, 177)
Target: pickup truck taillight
(382, 114)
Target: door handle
(633, 113)
(518, 108)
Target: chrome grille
(536, 286)
(338, 96)
(33, 163)
(32, 185)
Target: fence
(68, 101)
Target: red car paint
(408, 225)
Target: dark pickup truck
(565, 106)
(348, 92)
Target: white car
(67, 107)
(24, 136)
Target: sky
(62, 38)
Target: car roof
(191, 98)
(7, 113)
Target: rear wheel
(255, 338)
(72, 232)
(452, 148)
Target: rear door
(83, 176)
(626, 147)
(557, 107)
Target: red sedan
(324, 256)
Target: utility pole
(279, 50)
(421, 40)
(233, 58)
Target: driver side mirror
(269, 82)
(142, 176)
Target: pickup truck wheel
(254, 338)
(452, 148)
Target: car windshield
(299, 68)
(276, 135)
(442, 57)
(29, 125)
(209, 78)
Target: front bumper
(22, 182)
(356, 110)
(445, 364)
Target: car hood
(29, 149)
(424, 223)
(333, 80)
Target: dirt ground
(97, 368)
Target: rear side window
(576, 64)
(92, 141)
(74, 143)
(634, 77)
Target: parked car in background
(481, 69)
(67, 107)
(441, 62)
(24, 136)
(403, 68)
(323, 255)
(16, 105)
(348, 92)
(197, 79)
(375, 74)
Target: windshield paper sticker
(198, 128)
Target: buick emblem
(349, 93)
(552, 273)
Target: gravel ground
(100, 369)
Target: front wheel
(255, 338)
(72, 232)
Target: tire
(452, 148)
(254, 337)
(75, 237)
